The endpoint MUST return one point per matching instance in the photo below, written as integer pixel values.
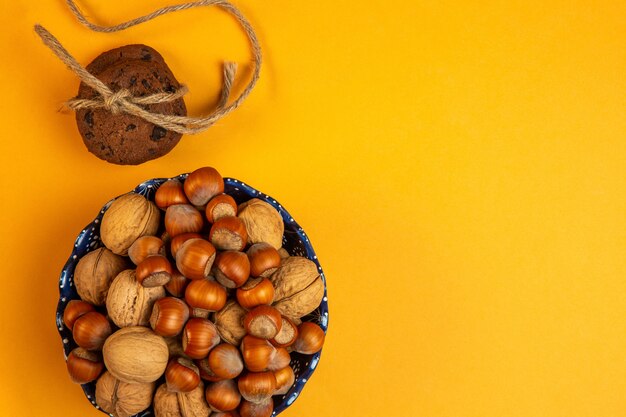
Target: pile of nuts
(206, 301)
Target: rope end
(230, 70)
(40, 30)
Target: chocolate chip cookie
(122, 138)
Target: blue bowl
(295, 241)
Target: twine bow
(122, 101)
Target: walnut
(129, 303)
(229, 322)
(298, 286)
(122, 399)
(135, 355)
(180, 404)
(283, 253)
(263, 222)
(130, 216)
(175, 347)
(94, 273)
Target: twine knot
(123, 101)
(115, 102)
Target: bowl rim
(86, 241)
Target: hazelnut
(264, 259)
(256, 409)
(223, 395)
(182, 218)
(310, 338)
(232, 413)
(129, 303)
(257, 353)
(75, 309)
(228, 233)
(199, 337)
(263, 321)
(178, 284)
(231, 268)
(206, 372)
(202, 185)
(221, 205)
(204, 296)
(287, 334)
(254, 292)
(257, 386)
(84, 366)
(169, 193)
(154, 271)
(225, 361)
(281, 359)
(194, 258)
(146, 246)
(94, 273)
(263, 222)
(284, 380)
(122, 399)
(129, 217)
(91, 330)
(169, 315)
(177, 241)
(135, 355)
(181, 375)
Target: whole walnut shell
(229, 322)
(263, 222)
(298, 287)
(122, 399)
(94, 273)
(130, 216)
(135, 355)
(129, 303)
(181, 404)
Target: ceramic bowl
(295, 241)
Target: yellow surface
(459, 167)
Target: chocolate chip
(146, 84)
(89, 135)
(146, 56)
(133, 81)
(89, 118)
(130, 127)
(158, 133)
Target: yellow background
(459, 167)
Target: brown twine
(122, 101)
